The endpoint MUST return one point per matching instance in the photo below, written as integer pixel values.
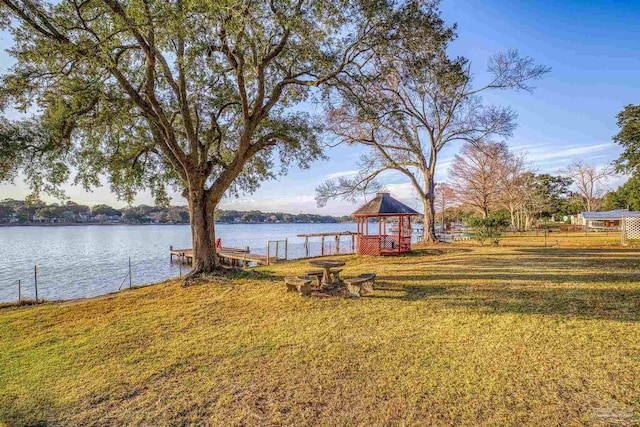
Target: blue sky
(592, 47)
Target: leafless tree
(444, 199)
(590, 182)
(411, 101)
(532, 202)
(511, 187)
(476, 174)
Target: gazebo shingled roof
(384, 204)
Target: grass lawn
(457, 335)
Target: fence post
(130, 280)
(277, 249)
(35, 280)
(268, 247)
(19, 291)
(286, 248)
(180, 269)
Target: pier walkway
(229, 256)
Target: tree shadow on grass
(512, 278)
(577, 251)
(587, 303)
(510, 283)
(430, 251)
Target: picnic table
(327, 265)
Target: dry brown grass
(453, 336)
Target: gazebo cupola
(390, 232)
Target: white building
(604, 221)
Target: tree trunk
(429, 232)
(428, 201)
(514, 226)
(203, 234)
(528, 221)
(429, 219)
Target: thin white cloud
(347, 173)
(527, 147)
(552, 153)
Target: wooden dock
(229, 256)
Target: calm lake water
(91, 260)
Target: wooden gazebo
(391, 235)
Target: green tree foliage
(627, 196)
(135, 215)
(553, 191)
(8, 210)
(77, 208)
(489, 228)
(26, 147)
(629, 138)
(50, 212)
(105, 210)
(197, 95)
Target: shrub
(489, 228)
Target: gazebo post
(400, 224)
(380, 233)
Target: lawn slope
(453, 336)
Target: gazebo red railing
(390, 234)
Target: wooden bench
(302, 286)
(356, 284)
(317, 274)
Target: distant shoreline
(74, 224)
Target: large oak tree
(198, 95)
